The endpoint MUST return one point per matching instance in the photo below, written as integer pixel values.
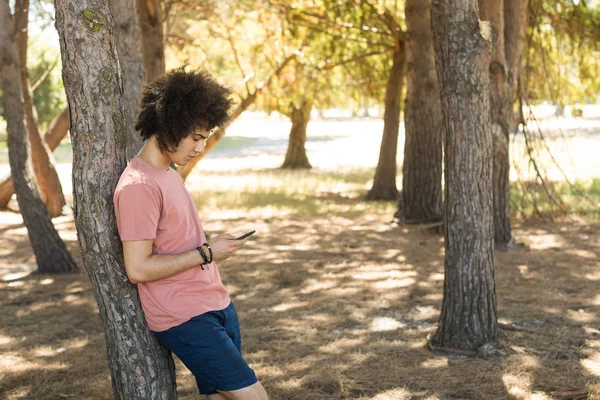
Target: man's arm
(143, 266)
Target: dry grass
(335, 302)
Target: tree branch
(44, 75)
(350, 60)
(237, 58)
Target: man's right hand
(223, 246)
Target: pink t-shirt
(152, 203)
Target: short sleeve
(137, 208)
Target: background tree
(57, 130)
(359, 30)
(140, 367)
(463, 47)
(48, 92)
(50, 251)
(296, 103)
(43, 161)
(307, 82)
(131, 60)
(299, 113)
(151, 22)
(421, 197)
(501, 106)
(384, 182)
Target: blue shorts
(210, 345)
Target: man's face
(189, 147)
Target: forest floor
(335, 299)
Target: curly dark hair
(178, 103)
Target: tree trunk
(131, 60)
(43, 161)
(50, 251)
(295, 157)
(153, 46)
(140, 367)
(515, 28)
(384, 183)
(463, 47)
(501, 115)
(422, 167)
(57, 130)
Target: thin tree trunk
(43, 161)
(501, 115)
(131, 60)
(57, 130)
(153, 46)
(50, 251)
(140, 367)
(516, 17)
(422, 167)
(515, 28)
(7, 189)
(295, 156)
(463, 49)
(384, 183)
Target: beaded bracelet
(203, 257)
(210, 251)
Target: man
(165, 249)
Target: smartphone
(245, 235)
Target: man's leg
(252, 392)
(216, 396)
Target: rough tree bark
(57, 130)
(421, 196)
(463, 47)
(140, 367)
(131, 60)
(50, 251)
(295, 157)
(43, 161)
(384, 183)
(153, 45)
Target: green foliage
(563, 54)
(49, 96)
(352, 43)
(3, 135)
(343, 48)
(43, 61)
(238, 43)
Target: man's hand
(223, 246)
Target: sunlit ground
(335, 301)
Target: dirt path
(335, 302)
(332, 307)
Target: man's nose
(199, 146)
